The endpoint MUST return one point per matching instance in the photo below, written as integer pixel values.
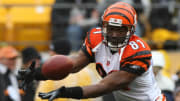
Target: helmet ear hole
(132, 29)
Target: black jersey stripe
(133, 69)
(144, 60)
(91, 58)
(146, 52)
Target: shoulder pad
(94, 37)
(136, 47)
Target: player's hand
(53, 94)
(26, 76)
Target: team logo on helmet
(115, 22)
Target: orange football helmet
(120, 16)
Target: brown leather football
(57, 67)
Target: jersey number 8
(134, 44)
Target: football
(57, 67)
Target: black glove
(63, 92)
(53, 94)
(26, 76)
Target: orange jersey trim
(93, 38)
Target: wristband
(71, 92)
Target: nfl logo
(108, 63)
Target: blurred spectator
(80, 21)
(162, 16)
(176, 78)
(59, 19)
(143, 9)
(166, 85)
(9, 90)
(105, 3)
(177, 94)
(60, 46)
(60, 16)
(165, 39)
(30, 54)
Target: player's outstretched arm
(80, 60)
(114, 81)
(26, 76)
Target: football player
(122, 59)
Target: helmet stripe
(127, 5)
(118, 13)
(122, 9)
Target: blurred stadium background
(29, 23)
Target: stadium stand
(31, 24)
(26, 22)
(29, 2)
(47, 1)
(161, 35)
(8, 2)
(3, 13)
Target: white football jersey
(134, 58)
